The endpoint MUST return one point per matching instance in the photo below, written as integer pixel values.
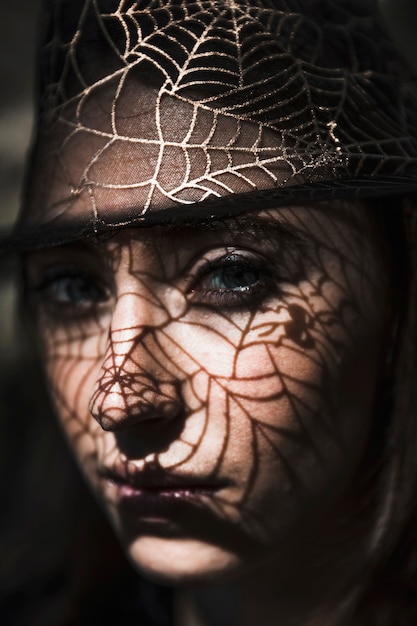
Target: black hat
(162, 110)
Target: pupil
(77, 289)
(236, 277)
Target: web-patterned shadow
(221, 354)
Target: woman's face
(215, 381)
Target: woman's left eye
(233, 277)
(231, 281)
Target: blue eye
(70, 287)
(234, 280)
(236, 277)
(74, 290)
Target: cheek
(293, 388)
(72, 358)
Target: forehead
(130, 147)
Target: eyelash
(233, 297)
(251, 274)
(55, 278)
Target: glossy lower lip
(158, 504)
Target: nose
(132, 386)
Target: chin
(176, 562)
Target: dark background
(17, 43)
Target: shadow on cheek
(299, 327)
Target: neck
(305, 586)
(260, 598)
(313, 581)
(234, 605)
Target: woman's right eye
(70, 287)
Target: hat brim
(31, 236)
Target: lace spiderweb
(283, 100)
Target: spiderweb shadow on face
(159, 377)
(149, 105)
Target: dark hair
(389, 595)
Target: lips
(155, 479)
(151, 493)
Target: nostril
(133, 420)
